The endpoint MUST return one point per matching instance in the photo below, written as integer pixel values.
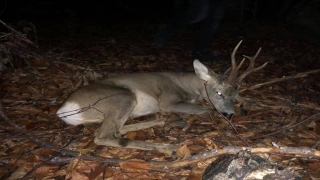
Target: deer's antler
(234, 68)
(232, 78)
(250, 68)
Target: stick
(17, 32)
(169, 166)
(284, 78)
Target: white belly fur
(70, 114)
(146, 104)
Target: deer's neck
(191, 83)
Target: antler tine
(234, 68)
(227, 71)
(239, 66)
(252, 59)
(251, 71)
(250, 68)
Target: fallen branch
(284, 78)
(18, 33)
(137, 165)
(74, 66)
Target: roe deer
(113, 101)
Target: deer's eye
(219, 93)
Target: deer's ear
(202, 71)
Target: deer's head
(223, 89)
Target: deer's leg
(134, 144)
(114, 141)
(115, 115)
(185, 107)
(144, 125)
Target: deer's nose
(227, 115)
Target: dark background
(270, 11)
(301, 15)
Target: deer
(111, 102)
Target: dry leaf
(157, 140)
(96, 171)
(135, 166)
(42, 172)
(74, 175)
(196, 173)
(183, 152)
(132, 134)
(315, 165)
(210, 144)
(72, 165)
(17, 174)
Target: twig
(287, 127)
(74, 66)
(17, 32)
(285, 78)
(4, 8)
